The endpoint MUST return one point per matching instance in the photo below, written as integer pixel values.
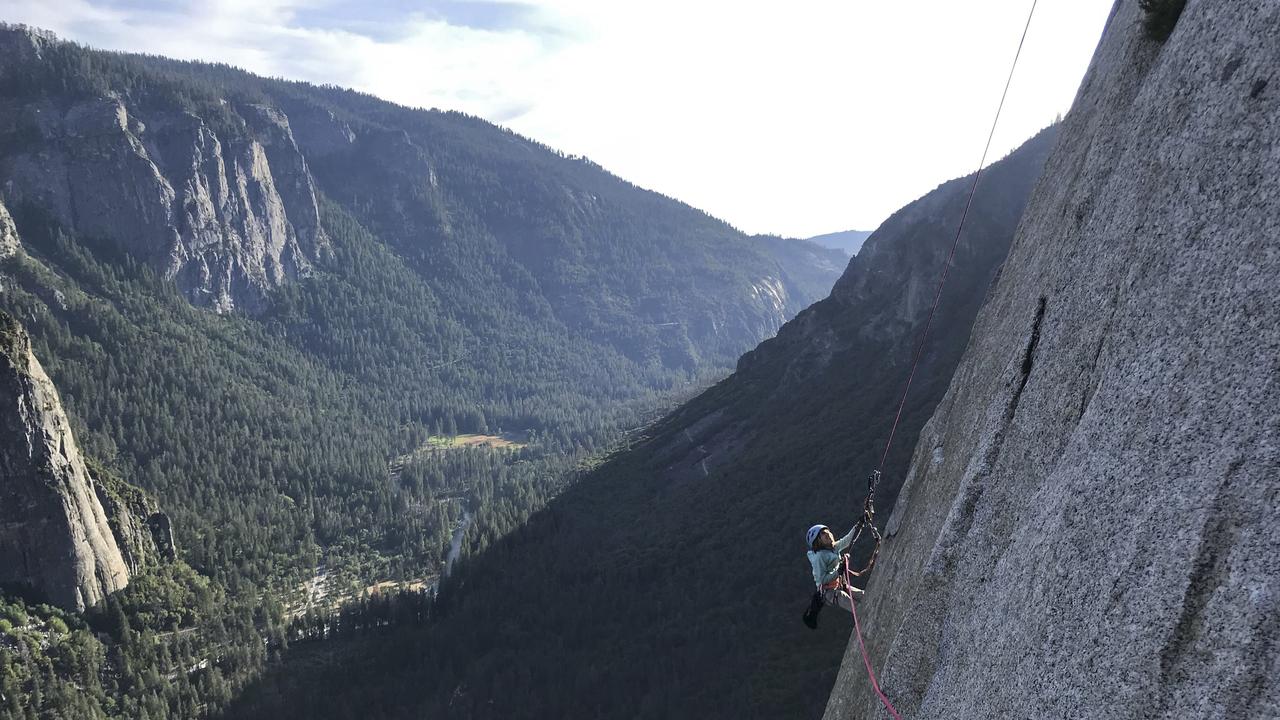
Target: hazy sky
(795, 118)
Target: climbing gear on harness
(830, 594)
(867, 523)
(813, 534)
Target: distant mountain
(470, 278)
(848, 241)
(272, 305)
(670, 581)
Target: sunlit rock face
(9, 245)
(55, 537)
(221, 202)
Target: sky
(794, 118)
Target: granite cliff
(227, 212)
(143, 532)
(54, 534)
(69, 530)
(9, 245)
(1090, 524)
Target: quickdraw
(867, 523)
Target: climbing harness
(867, 521)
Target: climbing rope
(867, 521)
(857, 628)
(946, 269)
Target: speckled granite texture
(1090, 527)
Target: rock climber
(826, 559)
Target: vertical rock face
(144, 534)
(227, 212)
(317, 129)
(54, 534)
(1091, 526)
(9, 245)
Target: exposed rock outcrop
(54, 534)
(24, 43)
(143, 532)
(1090, 526)
(227, 210)
(318, 131)
(9, 245)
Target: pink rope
(919, 352)
(866, 660)
(946, 268)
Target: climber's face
(826, 540)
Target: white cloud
(793, 119)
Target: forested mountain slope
(274, 306)
(128, 618)
(670, 581)
(1090, 524)
(401, 273)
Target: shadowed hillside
(266, 303)
(669, 582)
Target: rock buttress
(54, 535)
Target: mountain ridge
(847, 241)
(272, 306)
(250, 134)
(531, 291)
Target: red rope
(946, 269)
(866, 660)
(919, 350)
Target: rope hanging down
(946, 269)
(866, 660)
(867, 521)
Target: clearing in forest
(505, 441)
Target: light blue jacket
(826, 563)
